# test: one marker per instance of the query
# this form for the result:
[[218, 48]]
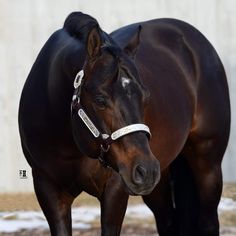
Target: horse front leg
[[113, 206], [161, 203], [55, 203]]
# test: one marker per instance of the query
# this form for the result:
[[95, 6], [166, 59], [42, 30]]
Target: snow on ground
[[227, 204], [82, 217]]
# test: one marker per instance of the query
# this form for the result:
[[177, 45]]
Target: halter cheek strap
[[105, 139]]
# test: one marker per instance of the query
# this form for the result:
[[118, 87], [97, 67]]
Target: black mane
[[78, 25]]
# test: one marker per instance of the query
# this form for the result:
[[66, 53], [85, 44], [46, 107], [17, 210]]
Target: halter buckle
[[105, 149]]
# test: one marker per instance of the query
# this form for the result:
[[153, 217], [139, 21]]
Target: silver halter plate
[[130, 129], [93, 129]]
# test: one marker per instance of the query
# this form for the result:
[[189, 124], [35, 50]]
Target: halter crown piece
[[105, 139]]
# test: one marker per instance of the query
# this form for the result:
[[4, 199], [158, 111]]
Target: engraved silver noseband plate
[[130, 129]]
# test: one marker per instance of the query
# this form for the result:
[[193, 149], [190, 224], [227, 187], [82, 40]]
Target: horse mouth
[[135, 190]]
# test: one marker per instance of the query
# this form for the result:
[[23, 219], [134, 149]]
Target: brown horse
[[88, 104]]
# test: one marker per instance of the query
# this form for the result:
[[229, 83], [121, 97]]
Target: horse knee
[[168, 230], [211, 230]]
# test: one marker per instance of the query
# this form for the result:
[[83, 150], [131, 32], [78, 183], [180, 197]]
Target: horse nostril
[[140, 174]]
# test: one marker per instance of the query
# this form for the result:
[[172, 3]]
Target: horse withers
[[143, 111]]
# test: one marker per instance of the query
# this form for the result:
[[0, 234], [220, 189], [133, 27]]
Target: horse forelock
[[117, 66], [78, 24]]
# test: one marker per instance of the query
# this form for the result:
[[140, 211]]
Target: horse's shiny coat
[[177, 86]]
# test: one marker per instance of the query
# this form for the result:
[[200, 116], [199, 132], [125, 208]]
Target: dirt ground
[[15, 202], [126, 231], [28, 201]]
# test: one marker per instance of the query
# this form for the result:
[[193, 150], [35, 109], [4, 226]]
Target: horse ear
[[94, 43], [132, 46]]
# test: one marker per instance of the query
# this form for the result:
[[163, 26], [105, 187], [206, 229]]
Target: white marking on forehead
[[125, 81]]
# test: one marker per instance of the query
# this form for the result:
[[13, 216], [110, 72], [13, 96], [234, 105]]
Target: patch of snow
[[15, 221], [80, 225], [139, 211], [227, 204], [85, 214]]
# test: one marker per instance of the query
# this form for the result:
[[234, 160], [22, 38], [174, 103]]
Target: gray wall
[[25, 25]]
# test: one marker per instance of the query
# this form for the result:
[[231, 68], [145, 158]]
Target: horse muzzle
[[143, 178]]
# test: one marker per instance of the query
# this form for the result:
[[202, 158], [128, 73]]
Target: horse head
[[108, 112]]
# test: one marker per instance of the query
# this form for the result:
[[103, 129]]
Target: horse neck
[[62, 73]]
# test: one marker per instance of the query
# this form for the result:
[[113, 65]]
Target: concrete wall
[[25, 25]]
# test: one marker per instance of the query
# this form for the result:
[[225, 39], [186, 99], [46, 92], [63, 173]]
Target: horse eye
[[101, 101]]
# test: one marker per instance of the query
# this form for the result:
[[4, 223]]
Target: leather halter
[[105, 139]]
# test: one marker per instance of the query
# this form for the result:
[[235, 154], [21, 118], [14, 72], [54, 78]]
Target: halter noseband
[[105, 139]]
